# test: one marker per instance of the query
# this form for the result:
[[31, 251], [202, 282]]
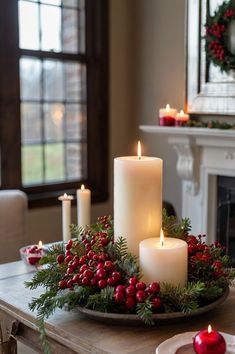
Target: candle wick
[[162, 243], [139, 157]]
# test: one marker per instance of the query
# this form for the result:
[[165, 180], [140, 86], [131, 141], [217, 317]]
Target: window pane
[[32, 164], [53, 117], [75, 82], [28, 25], [52, 2], [31, 123], [30, 78], [73, 159], [70, 30], [75, 121], [51, 28], [53, 80], [73, 3], [54, 156]]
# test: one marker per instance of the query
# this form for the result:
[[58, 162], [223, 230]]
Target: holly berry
[[102, 283], [109, 265], [140, 285], [117, 276], [88, 273], [153, 288], [120, 288], [130, 303], [140, 296], [119, 297], [60, 258], [101, 273], [69, 283], [156, 302], [130, 290], [68, 259], [133, 281], [62, 284]]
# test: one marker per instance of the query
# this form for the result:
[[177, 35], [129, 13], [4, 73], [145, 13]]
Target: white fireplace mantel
[[202, 154]]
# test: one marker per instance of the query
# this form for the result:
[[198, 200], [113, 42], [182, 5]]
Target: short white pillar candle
[[164, 260]]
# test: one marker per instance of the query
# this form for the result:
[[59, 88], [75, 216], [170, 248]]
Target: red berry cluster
[[230, 13], [216, 30], [202, 258], [136, 292], [217, 50], [91, 269]]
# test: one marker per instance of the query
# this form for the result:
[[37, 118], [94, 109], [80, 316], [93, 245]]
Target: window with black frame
[[53, 92]]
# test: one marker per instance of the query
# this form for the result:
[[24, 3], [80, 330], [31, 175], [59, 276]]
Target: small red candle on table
[[167, 116], [209, 341]]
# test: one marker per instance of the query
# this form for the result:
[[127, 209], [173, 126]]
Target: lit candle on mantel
[[83, 206], [137, 198], [66, 215], [209, 341], [167, 116], [164, 259], [181, 118]]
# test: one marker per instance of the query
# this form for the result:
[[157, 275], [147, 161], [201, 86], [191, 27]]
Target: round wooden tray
[[124, 319]]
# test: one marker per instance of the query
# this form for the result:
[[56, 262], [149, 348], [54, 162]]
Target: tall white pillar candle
[[164, 261], [66, 215], [83, 206], [137, 199]]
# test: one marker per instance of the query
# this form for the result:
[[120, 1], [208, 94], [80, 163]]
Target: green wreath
[[216, 37]]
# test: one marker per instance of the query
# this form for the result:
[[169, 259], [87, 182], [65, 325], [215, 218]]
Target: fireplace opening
[[225, 230]]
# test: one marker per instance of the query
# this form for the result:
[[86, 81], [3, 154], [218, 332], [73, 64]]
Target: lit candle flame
[[161, 238], [139, 150], [40, 244], [65, 195], [181, 112], [82, 187], [168, 107], [209, 330]]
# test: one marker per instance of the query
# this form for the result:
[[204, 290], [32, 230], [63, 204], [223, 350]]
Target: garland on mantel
[[213, 124], [217, 28]]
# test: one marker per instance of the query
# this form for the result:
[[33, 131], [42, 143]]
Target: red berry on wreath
[[109, 265], [88, 273], [76, 278], [69, 283], [68, 259], [111, 281], [94, 281], [83, 268], [83, 260]]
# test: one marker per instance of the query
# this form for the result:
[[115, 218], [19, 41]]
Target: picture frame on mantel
[[208, 90]]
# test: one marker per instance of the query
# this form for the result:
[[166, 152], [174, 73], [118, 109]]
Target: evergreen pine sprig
[[174, 228], [102, 301], [145, 313]]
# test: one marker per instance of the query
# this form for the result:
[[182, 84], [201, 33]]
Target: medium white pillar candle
[[83, 206], [164, 261], [167, 112], [66, 215], [137, 199]]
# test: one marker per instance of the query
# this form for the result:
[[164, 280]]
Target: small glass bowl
[[31, 254]]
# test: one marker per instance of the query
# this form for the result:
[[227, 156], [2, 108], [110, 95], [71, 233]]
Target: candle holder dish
[[158, 318], [183, 343], [32, 254]]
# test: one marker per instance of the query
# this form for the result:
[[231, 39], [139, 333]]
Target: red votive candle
[[34, 253], [209, 341], [167, 116]]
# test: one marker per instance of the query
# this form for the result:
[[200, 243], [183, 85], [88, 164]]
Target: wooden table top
[[86, 336]]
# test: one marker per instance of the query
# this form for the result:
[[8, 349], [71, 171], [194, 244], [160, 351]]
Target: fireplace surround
[[202, 155]]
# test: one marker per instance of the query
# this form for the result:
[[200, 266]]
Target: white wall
[[146, 72]]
